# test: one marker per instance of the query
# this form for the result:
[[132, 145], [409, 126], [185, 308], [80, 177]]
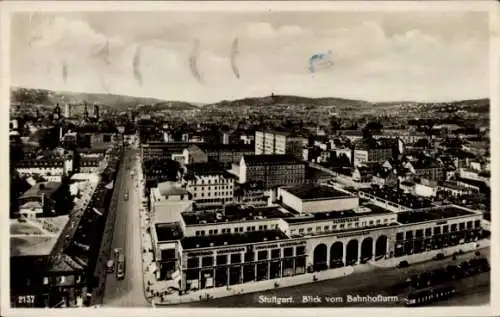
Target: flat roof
[[168, 231], [235, 213], [167, 211], [47, 188], [28, 239], [306, 192], [373, 210], [445, 212], [232, 239]]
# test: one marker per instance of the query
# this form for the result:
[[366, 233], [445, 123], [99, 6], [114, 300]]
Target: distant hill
[[277, 100], [475, 105], [119, 102]]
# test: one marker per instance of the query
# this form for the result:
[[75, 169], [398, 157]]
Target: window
[[334, 227], [437, 230], [235, 258], [207, 261], [210, 232], [287, 252], [301, 230], [342, 226], [419, 233], [202, 232], [326, 228], [428, 232], [378, 221], [222, 259], [216, 231], [454, 227], [318, 229], [197, 233], [371, 222], [469, 224], [446, 229], [477, 223], [249, 256], [275, 253], [386, 220], [399, 236], [356, 224], [409, 235], [262, 255], [461, 226], [193, 262]]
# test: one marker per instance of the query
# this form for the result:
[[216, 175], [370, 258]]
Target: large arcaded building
[[312, 228]]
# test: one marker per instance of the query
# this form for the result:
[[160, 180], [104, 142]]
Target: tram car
[[429, 296]]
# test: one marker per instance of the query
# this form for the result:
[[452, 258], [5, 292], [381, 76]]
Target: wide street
[[128, 292], [364, 282]]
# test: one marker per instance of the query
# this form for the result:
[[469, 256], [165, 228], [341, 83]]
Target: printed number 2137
[[26, 299]]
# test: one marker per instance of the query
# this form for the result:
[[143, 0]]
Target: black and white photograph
[[249, 155]]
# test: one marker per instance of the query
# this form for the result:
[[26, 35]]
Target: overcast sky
[[376, 56]]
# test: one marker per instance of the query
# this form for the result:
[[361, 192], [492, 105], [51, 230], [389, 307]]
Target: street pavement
[[128, 292], [365, 281]]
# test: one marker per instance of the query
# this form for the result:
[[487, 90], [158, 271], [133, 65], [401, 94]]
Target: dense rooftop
[[226, 147], [269, 159], [208, 168]]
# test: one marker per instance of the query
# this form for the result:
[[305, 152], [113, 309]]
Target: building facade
[[209, 184], [272, 142], [272, 170]]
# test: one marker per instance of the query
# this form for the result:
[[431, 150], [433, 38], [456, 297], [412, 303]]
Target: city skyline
[[377, 56]]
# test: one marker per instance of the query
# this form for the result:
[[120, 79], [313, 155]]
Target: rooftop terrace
[[416, 216], [235, 213], [232, 239]]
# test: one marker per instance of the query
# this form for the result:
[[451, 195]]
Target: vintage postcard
[[183, 157]]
